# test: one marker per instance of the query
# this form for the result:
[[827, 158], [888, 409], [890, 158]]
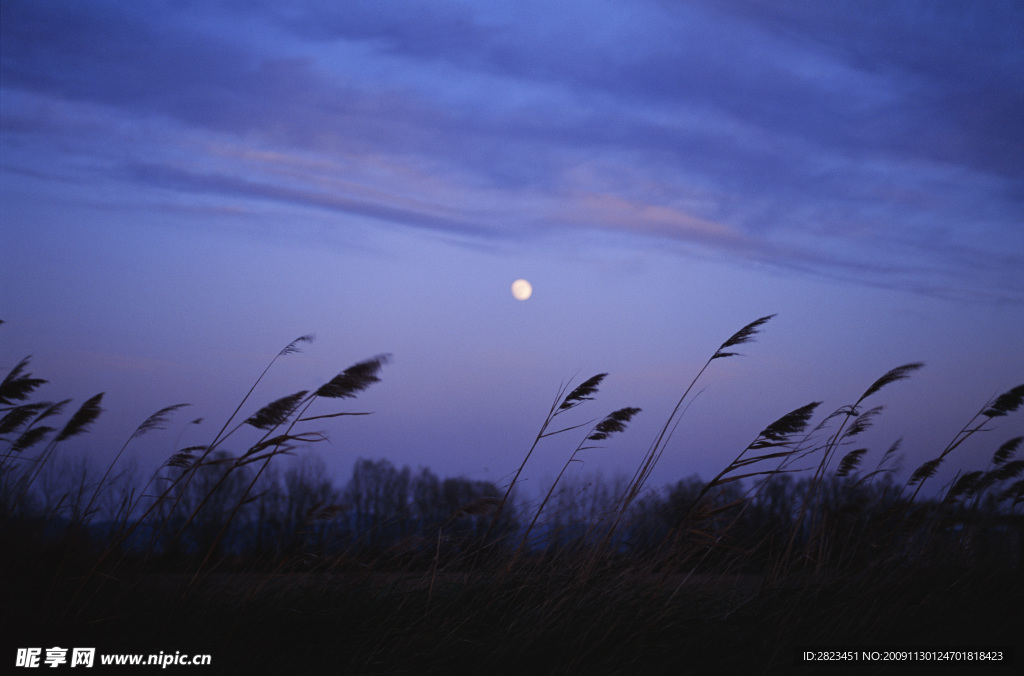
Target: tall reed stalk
[[613, 423], [861, 420], [583, 392], [657, 448]]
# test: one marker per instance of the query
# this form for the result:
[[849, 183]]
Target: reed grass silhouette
[[791, 543]]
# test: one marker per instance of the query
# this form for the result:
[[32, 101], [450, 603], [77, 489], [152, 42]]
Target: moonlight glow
[[521, 289]]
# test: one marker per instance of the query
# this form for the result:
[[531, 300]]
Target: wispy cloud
[[868, 141]]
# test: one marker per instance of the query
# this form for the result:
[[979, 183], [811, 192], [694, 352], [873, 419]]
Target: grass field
[[793, 545]]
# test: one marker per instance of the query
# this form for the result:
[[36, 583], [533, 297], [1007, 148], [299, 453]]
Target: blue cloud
[[867, 141]]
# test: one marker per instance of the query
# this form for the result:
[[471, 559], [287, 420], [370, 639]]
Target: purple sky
[[186, 187]]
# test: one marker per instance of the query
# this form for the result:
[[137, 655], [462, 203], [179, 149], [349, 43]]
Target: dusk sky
[[186, 187]]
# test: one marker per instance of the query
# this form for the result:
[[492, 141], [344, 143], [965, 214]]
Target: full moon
[[521, 289]]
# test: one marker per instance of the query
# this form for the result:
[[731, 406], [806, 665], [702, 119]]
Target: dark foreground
[[539, 619]]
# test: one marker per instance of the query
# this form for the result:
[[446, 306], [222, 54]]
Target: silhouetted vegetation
[[269, 565]]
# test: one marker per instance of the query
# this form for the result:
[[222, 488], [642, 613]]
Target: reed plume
[[850, 462], [83, 417], [18, 385], [276, 412]]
